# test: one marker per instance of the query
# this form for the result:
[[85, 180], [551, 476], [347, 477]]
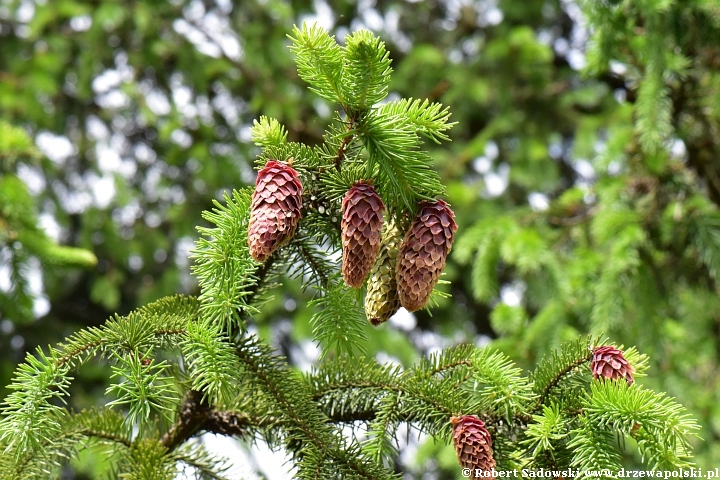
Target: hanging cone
[[381, 299], [609, 362], [473, 445], [361, 227], [275, 209], [423, 253]]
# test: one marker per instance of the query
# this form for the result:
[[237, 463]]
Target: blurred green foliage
[[583, 169]]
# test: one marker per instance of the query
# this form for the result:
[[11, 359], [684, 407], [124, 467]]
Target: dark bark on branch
[[197, 416]]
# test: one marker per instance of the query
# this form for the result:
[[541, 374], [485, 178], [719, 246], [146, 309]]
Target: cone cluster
[[275, 209], [473, 444], [423, 253], [361, 229], [381, 299], [609, 362], [400, 276]]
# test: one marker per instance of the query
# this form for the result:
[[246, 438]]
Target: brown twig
[[344, 144], [556, 379], [197, 416]]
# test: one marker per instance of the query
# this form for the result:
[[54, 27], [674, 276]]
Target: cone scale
[[423, 253], [361, 228], [275, 209]]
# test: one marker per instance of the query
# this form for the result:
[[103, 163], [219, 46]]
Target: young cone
[[473, 445], [381, 299], [609, 362], [275, 209], [361, 227], [423, 253]]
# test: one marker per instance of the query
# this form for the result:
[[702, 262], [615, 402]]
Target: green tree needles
[[21, 237], [183, 366]]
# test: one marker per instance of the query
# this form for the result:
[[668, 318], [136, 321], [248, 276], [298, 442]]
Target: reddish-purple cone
[[423, 253], [609, 362], [275, 209], [473, 445], [361, 228]]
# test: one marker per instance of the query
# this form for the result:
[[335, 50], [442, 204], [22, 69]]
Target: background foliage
[[582, 171]]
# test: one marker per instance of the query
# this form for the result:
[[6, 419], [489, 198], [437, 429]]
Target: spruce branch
[[339, 324], [318, 268], [335, 184], [197, 415], [268, 132], [32, 419], [319, 60], [148, 459], [430, 120], [451, 366], [74, 430], [105, 435], [569, 368], [654, 107], [226, 273], [344, 143], [560, 366], [403, 172], [366, 72], [545, 429], [141, 387], [661, 425], [305, 422], [205, 464], [381, 446], [595, 449], [424, 396], [210, 361], [500, 386]]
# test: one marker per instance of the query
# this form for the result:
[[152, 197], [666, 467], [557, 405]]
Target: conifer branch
[[262, 274], [196, 415], [345, 387], [91, 346], [558, 377], [79, 351], [317, 269], [225, 364], [74, 429], [106, 435], [346, 140], [295, 403], [552, 465], [450, 366], [375, 390]]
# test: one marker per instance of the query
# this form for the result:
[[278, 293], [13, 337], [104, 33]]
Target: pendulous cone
[[381, 298], [423, 253], [361, 229], [609, 362], [275, 209], [473, 445]]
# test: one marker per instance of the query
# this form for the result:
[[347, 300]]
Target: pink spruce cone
[[423, 253], [275, 209], [361, 228], [473, 445], [609, 362]]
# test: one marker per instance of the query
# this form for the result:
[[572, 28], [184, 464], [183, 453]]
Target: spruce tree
[[182, 366], [21, 236]]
